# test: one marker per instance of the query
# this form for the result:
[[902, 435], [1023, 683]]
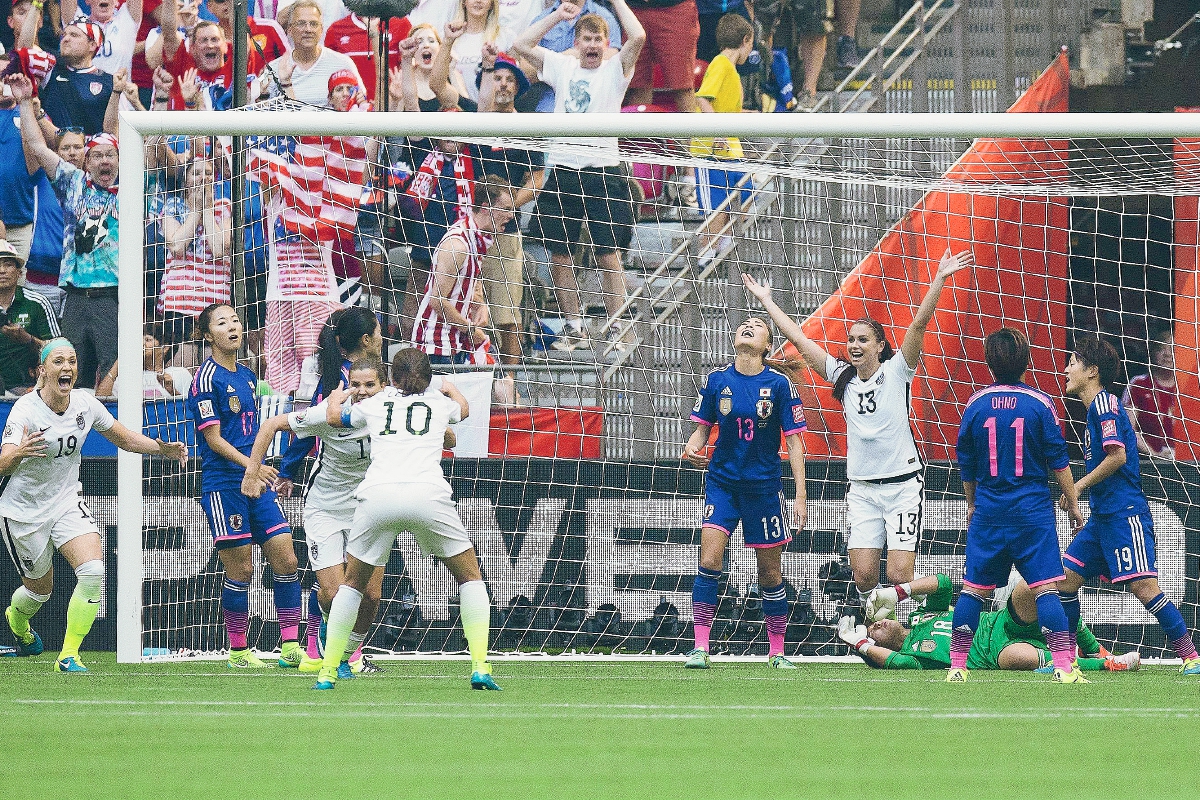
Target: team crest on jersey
[[313, 551], [725, 405], [80, 422], [928, 646], [235, 405], [879, 380], [764, 408], [708, 511], [96, 87], [764, 391], [235, 522]]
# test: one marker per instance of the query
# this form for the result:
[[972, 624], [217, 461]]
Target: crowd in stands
[[394, 217]]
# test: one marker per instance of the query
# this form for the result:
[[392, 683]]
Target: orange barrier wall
[[1187, 300], [1020, 279]]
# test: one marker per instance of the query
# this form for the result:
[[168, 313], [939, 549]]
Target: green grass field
[[591, 730]]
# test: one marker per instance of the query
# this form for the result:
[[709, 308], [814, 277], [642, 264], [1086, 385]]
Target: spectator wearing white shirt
[[477, 23], [307, 68], [585, 188], [120, 26]]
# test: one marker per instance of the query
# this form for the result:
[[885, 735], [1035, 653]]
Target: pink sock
[[776, 628], [236, 625], [310, 646], [1062, 654], [357, 655], [960, 647], [702, 634]]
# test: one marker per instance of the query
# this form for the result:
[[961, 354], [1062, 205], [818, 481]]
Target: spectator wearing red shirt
[[1152, 400], [203, 58], [356, 37], [672, 30]]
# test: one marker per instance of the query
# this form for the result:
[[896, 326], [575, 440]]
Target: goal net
[[570, 483]]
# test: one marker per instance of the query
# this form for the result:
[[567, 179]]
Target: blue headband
[[53, 345]]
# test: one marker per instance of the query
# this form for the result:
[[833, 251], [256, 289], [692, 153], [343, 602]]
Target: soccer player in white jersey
[[405, 490], [884, 466], [41, 503]]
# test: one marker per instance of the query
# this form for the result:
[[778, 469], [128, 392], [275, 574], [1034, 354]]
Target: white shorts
[[29, 543], [885, 512], [326, 533], [385, 511]]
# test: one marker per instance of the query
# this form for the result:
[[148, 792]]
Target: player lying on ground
[[41, 503], [1118, 540], [405, 490], [1007, 639], [887, 484], [1009, 442], [223, 405], [752, 404]]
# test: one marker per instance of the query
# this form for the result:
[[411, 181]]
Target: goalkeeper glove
[[853, 635], [881, 603]]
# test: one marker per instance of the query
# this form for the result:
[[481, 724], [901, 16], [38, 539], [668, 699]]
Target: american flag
[[320, 180]]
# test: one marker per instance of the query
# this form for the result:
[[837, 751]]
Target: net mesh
[[586, 524]]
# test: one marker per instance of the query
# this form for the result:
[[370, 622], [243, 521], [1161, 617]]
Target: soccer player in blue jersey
[[1009, 442], [752, 404], [222, 405], [1118, 540]]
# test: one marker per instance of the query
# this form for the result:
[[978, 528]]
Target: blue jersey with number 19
[[1008, 443], [751, 410], [223, 397]]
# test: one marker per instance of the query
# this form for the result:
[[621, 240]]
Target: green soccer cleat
[[1063, 676], [483, 681], [365, 666], [326, 680], [244, 659], [69, 664], [28, 645], [779, 662], [310, 665], [697, 659], [957, 675], [291, 655], [1191, 666]]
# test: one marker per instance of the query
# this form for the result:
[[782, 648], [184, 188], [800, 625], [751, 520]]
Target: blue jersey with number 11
[[1008, 443], [223, 397], [752, 411]]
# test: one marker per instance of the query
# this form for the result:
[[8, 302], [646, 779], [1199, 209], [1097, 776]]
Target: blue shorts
[[763, 514], [993, 548], [1117, 546], [713, 185], [236, 520]]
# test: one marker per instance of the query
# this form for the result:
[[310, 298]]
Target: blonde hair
[[491, 28]]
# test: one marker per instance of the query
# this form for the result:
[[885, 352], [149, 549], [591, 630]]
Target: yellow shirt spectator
[[722, 87]]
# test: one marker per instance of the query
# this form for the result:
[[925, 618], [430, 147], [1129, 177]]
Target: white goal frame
[[136, 125]]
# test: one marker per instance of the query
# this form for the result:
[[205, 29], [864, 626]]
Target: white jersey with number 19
[[39, 486], [406, 435]]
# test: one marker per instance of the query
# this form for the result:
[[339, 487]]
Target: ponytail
[[845, 376], [342, 338]]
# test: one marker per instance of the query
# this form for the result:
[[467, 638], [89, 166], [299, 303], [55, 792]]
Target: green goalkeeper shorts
[[997, 630]]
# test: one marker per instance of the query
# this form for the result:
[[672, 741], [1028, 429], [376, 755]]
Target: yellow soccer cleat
[[1191, 666], [1063, 676], [244, 659], [310, 665], [291, 655], [957, 675]]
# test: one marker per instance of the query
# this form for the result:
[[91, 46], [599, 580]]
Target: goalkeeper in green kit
[[1007, 639]]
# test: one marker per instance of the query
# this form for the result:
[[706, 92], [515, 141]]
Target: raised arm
[[439, 73], [526, 45], [27, 36], [167, 45], [31, 135], [914, 338], [635, 36], [451, 391], [812, 353], [487, 86]]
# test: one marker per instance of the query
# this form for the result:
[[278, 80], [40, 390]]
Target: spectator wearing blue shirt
[[1009, 443], [561, 38], [1118, 540], [89, 268], [18, 186]]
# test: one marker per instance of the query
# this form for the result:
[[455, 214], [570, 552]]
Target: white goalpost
[[586, 524]]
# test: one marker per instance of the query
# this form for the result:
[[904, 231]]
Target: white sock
[[475, 610], [27, 602], [343, 612], [353, 643]]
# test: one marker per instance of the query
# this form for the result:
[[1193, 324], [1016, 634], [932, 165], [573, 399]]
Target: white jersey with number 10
[[406, 435]]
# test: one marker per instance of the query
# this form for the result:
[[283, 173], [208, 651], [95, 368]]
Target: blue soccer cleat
[[483, 681], [1191, 666], [28, 645], [326, 680], [1046, 670], [697, 659], [321, 639], [69, 664], [345, 672]]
